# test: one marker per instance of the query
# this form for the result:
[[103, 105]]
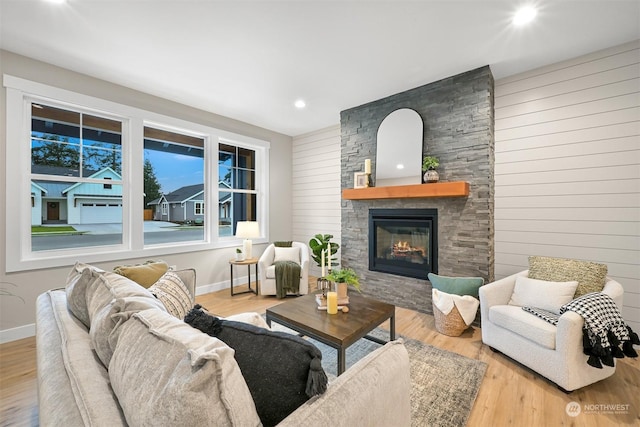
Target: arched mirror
[[399, 152]]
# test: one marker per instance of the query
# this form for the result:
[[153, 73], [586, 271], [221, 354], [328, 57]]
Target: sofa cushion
[[591, 276], [66, 362], [282, 370], [173, 293], [105, 327], [287, 254], [456, 285], [520, 322], [80, 278], [108, 287], [164, 372], [143, 274], [549, 296]]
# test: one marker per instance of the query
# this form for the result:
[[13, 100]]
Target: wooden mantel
[[438, 189]]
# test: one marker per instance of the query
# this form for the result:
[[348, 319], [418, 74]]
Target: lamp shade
[[247, 229]]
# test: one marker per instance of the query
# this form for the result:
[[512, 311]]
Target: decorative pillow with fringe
[[281, 370], [173, 294]]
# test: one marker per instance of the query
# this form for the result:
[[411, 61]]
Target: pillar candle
[[332, 302], [322, 263], [328, 257], [367, 166]]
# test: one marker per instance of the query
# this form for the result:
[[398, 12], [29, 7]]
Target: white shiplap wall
[[316, 186], [567, 166]]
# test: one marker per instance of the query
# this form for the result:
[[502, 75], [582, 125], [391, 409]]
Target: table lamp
[[247, 230]]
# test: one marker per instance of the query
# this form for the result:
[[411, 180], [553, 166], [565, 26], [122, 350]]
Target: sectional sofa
[[109, 353]]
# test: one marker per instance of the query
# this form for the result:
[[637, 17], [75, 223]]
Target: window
[[96, 165], [71, 152], [237, 187], [173, 172]]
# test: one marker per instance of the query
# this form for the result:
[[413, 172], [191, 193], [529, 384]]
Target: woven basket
[[450, 324]]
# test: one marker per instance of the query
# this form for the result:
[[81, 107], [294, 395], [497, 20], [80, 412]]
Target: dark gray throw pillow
[[281, 370]]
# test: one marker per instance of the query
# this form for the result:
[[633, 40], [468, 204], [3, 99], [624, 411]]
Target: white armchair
[[555, 352], [267, 270]]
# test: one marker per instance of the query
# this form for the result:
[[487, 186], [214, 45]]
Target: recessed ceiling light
[[57, 1], [300, 103], [524, 15]]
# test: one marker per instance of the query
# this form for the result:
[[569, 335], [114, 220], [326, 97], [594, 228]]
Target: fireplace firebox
[[403, 241]]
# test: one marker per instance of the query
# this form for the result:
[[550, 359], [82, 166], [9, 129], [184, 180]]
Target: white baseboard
[[14, 334], [213, 287]]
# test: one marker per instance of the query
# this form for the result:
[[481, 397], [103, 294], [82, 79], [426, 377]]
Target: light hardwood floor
[[510, 394]]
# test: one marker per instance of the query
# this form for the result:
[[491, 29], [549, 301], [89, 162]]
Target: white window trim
[[198, 206], [19, 257]]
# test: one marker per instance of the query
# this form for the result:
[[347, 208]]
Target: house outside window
[[90, 160]]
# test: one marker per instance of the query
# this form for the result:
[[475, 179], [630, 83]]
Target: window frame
[[198, 208], [20, 93]]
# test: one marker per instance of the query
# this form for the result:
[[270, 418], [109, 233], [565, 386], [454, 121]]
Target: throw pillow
[[283, 244], [81, 277], [173, 293], [143, 274], [549, 296], [456, 285], [281, 370], [105, 327], [166, 373], [287, 254], [591, 276]]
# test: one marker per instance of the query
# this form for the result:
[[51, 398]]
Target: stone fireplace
[[403, 241], [458, 118]]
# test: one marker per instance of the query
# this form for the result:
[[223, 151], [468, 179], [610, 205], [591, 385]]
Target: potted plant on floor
[[342, 278], [429, 165]]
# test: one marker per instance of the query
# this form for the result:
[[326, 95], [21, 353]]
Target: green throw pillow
[[456, 285]]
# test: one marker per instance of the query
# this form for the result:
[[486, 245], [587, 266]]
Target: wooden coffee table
[[335, 330]]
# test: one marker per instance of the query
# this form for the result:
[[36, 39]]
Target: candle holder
[[370, 180], [324, 285]]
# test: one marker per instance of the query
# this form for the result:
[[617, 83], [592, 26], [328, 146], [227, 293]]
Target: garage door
[[101, 212]]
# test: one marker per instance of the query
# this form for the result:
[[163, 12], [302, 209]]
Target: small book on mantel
[[322, 302]]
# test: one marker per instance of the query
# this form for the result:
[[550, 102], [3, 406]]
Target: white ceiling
[[250, 60]]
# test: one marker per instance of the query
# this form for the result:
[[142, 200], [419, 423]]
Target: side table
[[248, 262]]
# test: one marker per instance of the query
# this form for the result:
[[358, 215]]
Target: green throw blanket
[[287, 278]]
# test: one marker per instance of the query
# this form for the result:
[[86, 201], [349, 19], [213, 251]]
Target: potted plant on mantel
[[342, 278], [429, 165]]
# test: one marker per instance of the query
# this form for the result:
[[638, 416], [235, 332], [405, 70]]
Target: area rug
[[444, 385]]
